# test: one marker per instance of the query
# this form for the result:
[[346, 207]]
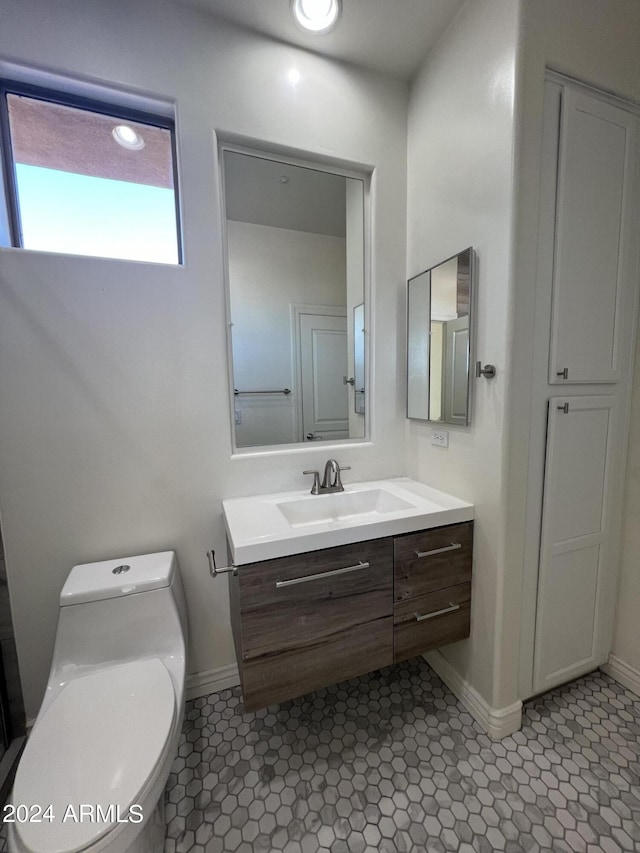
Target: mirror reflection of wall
[[358, 356], [295, 245], [418, 350], [438, 354]]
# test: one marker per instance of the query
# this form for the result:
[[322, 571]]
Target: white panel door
[[593, 233], [574, 546], [325, 399]]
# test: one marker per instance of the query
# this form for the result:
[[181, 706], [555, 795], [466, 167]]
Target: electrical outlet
[[440, 437], [238, 414]]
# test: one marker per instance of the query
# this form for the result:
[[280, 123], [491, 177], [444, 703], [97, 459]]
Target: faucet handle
[[340, 468], [315, 489]]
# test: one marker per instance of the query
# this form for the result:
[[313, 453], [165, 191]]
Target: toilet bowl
[[93, 771]]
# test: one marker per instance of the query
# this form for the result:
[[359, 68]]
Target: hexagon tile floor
[[392, 762]]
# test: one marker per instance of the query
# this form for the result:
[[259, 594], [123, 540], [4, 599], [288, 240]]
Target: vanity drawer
[[299, 602], [431, 560], [431, 620], [295, 671]]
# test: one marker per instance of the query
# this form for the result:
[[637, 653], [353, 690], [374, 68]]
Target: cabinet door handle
[[293, 581], [435, 613], [453, 547]]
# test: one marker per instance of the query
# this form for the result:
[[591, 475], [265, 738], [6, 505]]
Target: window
[[88, 178]]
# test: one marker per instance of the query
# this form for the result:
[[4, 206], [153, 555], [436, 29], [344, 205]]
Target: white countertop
[[264, 527]]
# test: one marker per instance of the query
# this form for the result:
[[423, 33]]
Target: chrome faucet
[[331, 481]]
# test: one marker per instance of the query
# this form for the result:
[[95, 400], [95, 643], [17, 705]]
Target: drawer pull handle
[[435, 613], [293, 581], [453, 547]]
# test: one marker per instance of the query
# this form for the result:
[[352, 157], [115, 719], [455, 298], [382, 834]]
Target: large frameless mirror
[[439, 329], [296, 274]]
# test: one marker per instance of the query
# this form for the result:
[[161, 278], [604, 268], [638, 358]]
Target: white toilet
[[93, 772]]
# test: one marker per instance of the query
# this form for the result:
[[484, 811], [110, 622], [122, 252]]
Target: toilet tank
[[119, 610], [115, 578]]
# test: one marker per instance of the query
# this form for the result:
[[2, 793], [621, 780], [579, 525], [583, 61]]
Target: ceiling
[[80, 141], [306, 200], [388, 36]]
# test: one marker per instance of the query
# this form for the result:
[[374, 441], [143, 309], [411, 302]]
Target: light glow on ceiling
[[127, 137], [316, 16]]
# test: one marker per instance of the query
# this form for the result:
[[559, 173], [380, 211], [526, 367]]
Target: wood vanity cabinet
[[306, 621]]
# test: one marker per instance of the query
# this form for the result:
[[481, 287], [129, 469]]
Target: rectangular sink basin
[[265, 527], [343, 506]]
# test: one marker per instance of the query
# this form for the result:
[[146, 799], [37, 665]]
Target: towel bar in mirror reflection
[[284, 391]]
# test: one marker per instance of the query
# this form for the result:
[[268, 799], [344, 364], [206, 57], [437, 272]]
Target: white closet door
[[593, 238], [575, 539]]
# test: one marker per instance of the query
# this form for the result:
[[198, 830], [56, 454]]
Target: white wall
[[460, 150], [436, 353], [115, 417], [271, 269], [597, 42]]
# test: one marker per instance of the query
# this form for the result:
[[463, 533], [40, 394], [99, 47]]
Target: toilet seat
[[116, 720]]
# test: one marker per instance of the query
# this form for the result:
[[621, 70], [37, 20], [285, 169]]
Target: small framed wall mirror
[[439, 340], [296, 246]]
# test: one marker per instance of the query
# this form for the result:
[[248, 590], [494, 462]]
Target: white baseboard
[[623, 672], [497, 722], [212, 680]]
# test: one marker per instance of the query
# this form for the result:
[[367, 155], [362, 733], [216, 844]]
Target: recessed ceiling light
[[316, 16], [127, 137]]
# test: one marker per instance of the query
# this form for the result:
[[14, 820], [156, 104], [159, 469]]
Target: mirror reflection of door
[[323, 391], [295, 237]]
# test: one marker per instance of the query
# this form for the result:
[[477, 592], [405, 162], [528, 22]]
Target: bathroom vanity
[[302, 621]]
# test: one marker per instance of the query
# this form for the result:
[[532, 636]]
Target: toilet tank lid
[[115, 578]]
